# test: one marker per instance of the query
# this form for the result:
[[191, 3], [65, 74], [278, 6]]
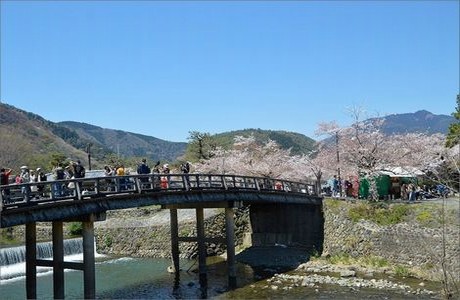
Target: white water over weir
[[15, 255]]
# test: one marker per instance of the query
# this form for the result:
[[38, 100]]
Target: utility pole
[[338, 162], [88, 150]]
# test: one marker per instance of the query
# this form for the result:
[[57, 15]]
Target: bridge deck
[[64, 199]]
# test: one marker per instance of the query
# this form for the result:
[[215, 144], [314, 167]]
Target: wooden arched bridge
[[87, 199]]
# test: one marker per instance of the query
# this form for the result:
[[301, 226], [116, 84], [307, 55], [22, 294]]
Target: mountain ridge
[[421, 121], [31, 133]]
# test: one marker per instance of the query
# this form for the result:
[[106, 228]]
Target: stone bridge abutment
[[299, 225]]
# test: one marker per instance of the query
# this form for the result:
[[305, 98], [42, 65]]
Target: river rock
[[347, 273]]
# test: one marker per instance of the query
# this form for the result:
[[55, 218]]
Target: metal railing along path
[[30, 194]]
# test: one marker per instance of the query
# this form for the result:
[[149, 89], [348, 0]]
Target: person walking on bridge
[[79, 171], [120, 171], [164, 181], [185, 168], [25, 178], [143, 168], [41, 177], [58, 174], [5, 180]]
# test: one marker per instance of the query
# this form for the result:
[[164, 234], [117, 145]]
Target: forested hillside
[[28, 139], [126, 143], [298, 143]]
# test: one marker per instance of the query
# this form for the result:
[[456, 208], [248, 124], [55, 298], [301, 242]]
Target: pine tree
[[453, 138]]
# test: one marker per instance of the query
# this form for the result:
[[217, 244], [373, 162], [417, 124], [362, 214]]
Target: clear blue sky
[[166, 68]]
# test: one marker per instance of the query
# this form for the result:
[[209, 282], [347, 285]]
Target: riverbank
[[419, 237], [411, 249], [405, 248]]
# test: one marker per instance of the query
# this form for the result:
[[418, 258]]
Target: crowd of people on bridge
[[75, 170], [27, 175]]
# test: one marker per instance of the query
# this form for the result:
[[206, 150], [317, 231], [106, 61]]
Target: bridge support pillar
[[230, 235], [31, 260], [201, 248], [58, 260], [174, 241], [89, 264]]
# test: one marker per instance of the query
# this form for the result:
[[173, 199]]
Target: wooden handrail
[[25, 194]]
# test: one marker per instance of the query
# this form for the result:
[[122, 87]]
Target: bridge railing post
[[78, 189], [97, 186], [138, 184], [197, 181], [224, 182], [26, 192], [185, 181]]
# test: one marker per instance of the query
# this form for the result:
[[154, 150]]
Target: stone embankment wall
[[148, 235], [407, 243]]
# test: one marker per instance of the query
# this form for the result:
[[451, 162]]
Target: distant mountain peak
[[420, 121], [422, 112]]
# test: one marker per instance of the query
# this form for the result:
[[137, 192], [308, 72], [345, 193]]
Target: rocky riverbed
[[315, 273], [289, 270]]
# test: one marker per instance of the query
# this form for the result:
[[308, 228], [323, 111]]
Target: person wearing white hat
[[25, 178], [164, 179]]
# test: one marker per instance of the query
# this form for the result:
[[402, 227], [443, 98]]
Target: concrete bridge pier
[[89, 262], [58, 260], [201, 239], [201, 248], [174, 242], [31, 260], [57, 263], [230, 237]]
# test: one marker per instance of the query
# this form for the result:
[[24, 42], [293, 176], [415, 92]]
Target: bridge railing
[[27, 194]]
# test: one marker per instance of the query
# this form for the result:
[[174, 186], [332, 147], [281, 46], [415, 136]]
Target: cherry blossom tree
[[248, 157], [365, 150], [317, 164]]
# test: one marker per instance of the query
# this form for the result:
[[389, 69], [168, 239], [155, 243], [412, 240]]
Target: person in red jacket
[[5, 180]]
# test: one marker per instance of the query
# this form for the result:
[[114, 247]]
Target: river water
[[125, 278], [143, 278], [147, 278]]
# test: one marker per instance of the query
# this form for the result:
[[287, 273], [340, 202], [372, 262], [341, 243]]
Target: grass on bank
[[386, 213]]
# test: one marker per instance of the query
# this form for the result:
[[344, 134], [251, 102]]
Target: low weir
[[16, 255]]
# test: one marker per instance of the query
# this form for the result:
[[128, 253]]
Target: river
[[147, 278], [141, 278]]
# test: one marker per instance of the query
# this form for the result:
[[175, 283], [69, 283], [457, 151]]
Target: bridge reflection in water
[[87, 200]]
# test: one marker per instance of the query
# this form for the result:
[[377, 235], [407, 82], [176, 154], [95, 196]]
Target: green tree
[[201, 146], [113, 160], [58, 158], [453, 137]]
